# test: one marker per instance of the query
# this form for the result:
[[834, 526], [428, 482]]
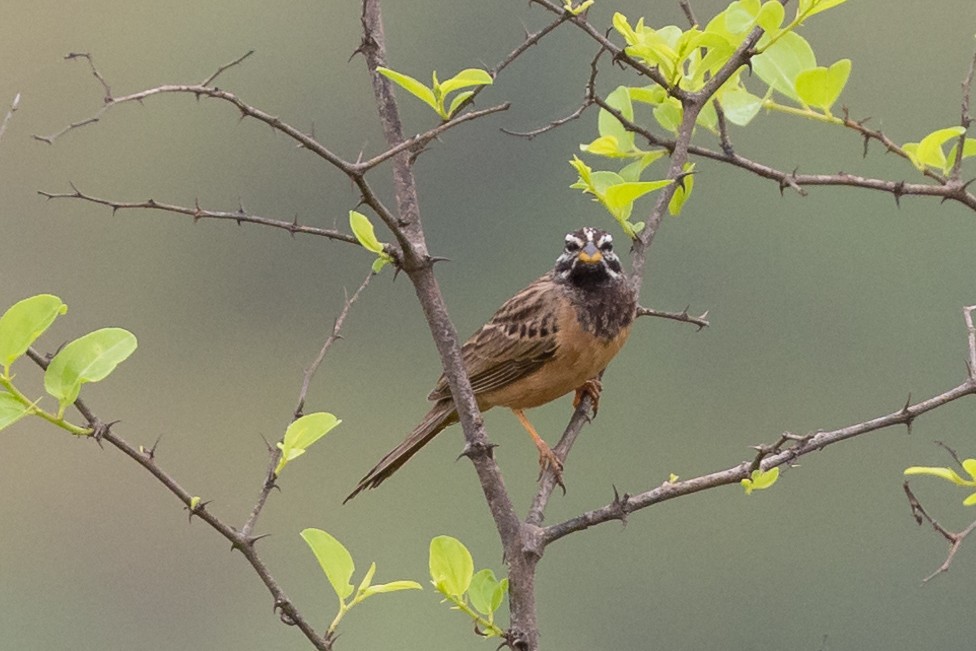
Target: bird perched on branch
[[553, 337]]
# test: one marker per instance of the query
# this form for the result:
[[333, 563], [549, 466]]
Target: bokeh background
[[826, 310]]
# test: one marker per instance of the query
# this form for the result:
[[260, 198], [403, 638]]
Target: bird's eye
[[572, 246], [606, 247]]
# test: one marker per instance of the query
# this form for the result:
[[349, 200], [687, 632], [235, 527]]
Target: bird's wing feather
[[519, 339]]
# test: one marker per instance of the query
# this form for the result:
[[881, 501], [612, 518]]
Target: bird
[[554, 337]]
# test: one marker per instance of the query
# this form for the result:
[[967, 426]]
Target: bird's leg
[[547, 458], [591, 388]]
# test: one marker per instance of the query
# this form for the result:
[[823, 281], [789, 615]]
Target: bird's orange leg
[[591, 388], [547, 458]]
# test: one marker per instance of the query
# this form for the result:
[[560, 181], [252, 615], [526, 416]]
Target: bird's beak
[[590, 254]]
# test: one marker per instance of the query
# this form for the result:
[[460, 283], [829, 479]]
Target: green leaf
[[781, 62], [969, 501], [633, 171], [11, 410], [760, 480], [334, 559], [740, 105], [379, 263], [741, 16], [807, 8], [451, 566], [969, 465], [482, 591], [604, 146], [943, 473], [770, 17], [412, 86], [968, 151], [620, 198], [362, 228], [302, 433], [929, 150], [87, 359], [500, 591], [392, 586], [23, 323], [668, 114], [459, 99], [608, 125], [820, 87], [466, 78]]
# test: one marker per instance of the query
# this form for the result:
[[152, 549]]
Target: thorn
[[619, 503], [194, 510], [470, 451], [433, 259], [254, 539], [151, 453], [286, 619], [898, 191]]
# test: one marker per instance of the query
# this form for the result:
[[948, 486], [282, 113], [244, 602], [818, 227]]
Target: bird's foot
[[591, 388], [549, 461]]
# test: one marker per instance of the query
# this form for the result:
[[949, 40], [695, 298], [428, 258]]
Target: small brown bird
[[555, 336]]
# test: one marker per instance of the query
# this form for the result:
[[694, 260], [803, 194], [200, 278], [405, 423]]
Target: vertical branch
[[418, 265]]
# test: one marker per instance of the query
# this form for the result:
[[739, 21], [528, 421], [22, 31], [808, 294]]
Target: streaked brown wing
[[519, 339]]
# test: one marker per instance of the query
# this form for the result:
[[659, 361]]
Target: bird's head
[[588, 258]]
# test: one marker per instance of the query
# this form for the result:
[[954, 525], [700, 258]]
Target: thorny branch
[[241, 216], [241, 539], [955, 539]]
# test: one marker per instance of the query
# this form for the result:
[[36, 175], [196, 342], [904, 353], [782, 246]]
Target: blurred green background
[[826, 310]]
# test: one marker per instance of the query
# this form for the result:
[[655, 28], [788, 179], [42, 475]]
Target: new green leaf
[[820, 87], [760, 479], [23, 323], [87, 359], [451, 566], [11, 410], [334, 559], [781, 63], [302, 433], [929, 152], [365, 234], [411, 85]]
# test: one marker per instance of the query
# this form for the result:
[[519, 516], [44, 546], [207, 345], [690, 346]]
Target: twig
[[336, 328], [198, 213], [971, 336], [701, 320], [238, 540], [589, 99], [955, 539], [803, 446], [14, 105], [220, 69], [965, 119]]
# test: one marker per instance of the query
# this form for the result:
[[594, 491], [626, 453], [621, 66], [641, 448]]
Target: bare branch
[[209, 80], [955, 539], [965, 119], [971, 334], [14, 105], [198, 213], [802, 446], [332, 338], [416, 144], [238, 540], [683, 316]]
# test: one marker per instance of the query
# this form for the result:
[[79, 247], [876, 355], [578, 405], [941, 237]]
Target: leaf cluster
[[90, 358]]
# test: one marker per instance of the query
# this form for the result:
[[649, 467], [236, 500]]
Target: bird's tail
[[440, 416]]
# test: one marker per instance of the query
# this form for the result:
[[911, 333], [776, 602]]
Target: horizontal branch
[[197, 213], [701, 320], [621, 506]]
